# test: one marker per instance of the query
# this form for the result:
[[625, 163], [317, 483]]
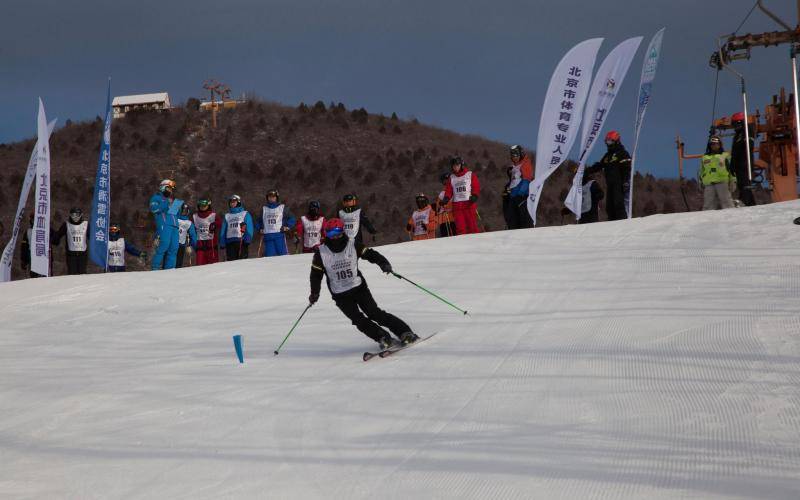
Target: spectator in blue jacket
[[187, 235], [165, 209], [520, 174], [274, 223], [237, 230]]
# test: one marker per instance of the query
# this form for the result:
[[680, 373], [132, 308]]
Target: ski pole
[[293, 327], [428, 291]]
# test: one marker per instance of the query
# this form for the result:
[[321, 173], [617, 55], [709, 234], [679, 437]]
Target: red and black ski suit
[[207, 224], [464, 189]]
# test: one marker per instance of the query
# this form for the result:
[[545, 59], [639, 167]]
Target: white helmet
[[166, 185]]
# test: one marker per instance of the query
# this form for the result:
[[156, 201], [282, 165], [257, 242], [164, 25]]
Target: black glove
[[473, 198], [386, 267], [313, 298], [424, 226], [445, 200], [409, 227]]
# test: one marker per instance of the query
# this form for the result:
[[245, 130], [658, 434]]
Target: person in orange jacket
[[422, 223], [444, 211], [520, 176], [464, 190]]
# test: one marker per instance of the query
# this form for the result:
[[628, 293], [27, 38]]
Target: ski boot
[[408, 338], [386, 342]]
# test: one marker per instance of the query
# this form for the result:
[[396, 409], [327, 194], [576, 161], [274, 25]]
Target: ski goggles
[[334, 232]]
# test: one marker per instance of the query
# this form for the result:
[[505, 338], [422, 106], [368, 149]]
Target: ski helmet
[[334, 228], [612, 137], [185, 209], [422, 200], [114, 228], [714, 140], [516, 150], [350, 197], [456, 160], [737, 117], [235, 198], [167, 186], [273, 192], [203, 204], [75, 214], [313, 207]]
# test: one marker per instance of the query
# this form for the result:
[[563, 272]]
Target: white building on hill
[[124, 103]]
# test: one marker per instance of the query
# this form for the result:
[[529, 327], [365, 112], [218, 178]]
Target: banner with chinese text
[[40, 236], [101, 201], [561, 114], [30, 175], [645, 90], [605, 87]]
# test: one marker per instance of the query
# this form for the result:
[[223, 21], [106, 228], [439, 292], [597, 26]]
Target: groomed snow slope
[[657, 358]]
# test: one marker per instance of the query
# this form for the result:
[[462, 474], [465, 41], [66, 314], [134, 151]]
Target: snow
[[653, 358]]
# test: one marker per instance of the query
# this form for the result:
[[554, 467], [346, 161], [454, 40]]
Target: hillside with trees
[[306, 152]]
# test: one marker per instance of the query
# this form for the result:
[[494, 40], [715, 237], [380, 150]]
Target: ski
[[394, 349]]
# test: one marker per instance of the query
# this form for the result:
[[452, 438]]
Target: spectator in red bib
[[463, 190]]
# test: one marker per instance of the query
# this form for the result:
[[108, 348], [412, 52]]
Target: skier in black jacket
[[337, 258], [739, 160], [616, 165], [76, 231]]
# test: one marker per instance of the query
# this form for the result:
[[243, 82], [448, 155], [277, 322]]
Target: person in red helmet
[[739, 160], [464, 190], [337, 259], [616, 165]]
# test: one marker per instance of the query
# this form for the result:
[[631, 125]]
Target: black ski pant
[[516, 215], [76, 262], [358, 305], [179, 257], [447, 229], [745, 189], [236, 251]]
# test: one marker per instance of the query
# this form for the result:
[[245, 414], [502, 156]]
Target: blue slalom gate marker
[[237, 344]]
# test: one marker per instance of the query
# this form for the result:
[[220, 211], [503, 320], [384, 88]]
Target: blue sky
[[471, 66]]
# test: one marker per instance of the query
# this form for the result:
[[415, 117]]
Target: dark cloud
[[476, 67]]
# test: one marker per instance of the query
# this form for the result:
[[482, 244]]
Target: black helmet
[[456, 160], [350, 197], [275, 193], [75, 214], [516, 150], [422, 200], [313, 207], [114, 228]]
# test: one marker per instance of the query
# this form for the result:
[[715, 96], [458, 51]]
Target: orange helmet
[[613, 135]]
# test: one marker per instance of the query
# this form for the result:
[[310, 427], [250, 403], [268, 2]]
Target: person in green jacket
[[715, 176]]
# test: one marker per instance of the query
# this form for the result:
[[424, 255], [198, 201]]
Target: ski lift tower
[[221, 90], [780, 145]]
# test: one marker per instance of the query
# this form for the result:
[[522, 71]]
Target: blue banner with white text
[[101, 201]]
